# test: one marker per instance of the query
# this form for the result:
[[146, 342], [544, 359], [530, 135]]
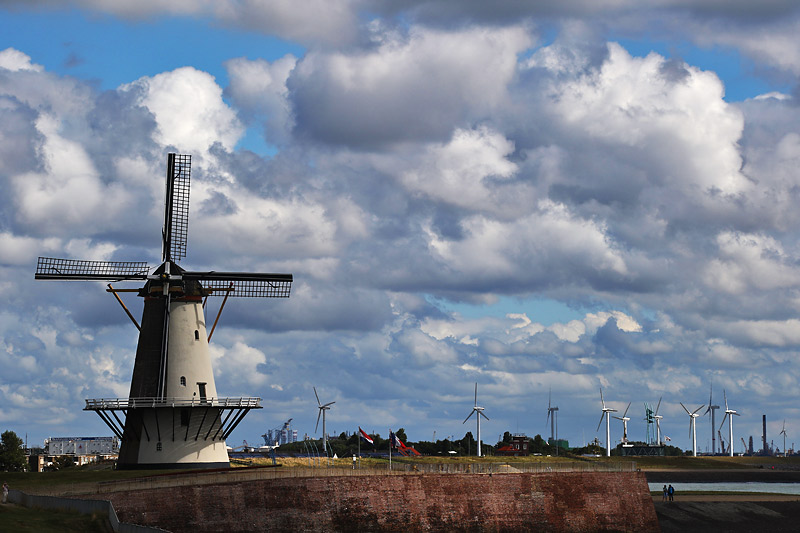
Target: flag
[[667, 438], [395, 442], [365, 437]]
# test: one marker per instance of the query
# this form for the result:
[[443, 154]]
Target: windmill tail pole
[[127, 312], [219, 313]]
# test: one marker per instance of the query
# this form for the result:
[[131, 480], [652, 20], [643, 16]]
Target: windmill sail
[[176, 207], [79, 270]]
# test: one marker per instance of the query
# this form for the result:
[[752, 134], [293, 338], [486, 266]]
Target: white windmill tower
[[729, 415], [625, 420], [783, 432], [658, 418], [478, 411], [711, 408], [692, 428], [173, 417], [322, 408], [552, 412], [606, 411]]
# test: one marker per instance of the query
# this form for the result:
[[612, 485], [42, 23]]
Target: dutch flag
[[365, 437]]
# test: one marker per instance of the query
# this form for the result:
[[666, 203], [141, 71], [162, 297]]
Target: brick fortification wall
[[404, 503]]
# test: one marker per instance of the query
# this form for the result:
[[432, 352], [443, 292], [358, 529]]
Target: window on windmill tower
[[183, 380], [196, 335], [158, 446]]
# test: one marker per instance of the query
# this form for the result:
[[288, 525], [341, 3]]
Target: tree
[[12, 456]]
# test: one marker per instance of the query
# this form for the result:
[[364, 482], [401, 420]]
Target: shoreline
[[728, 497]]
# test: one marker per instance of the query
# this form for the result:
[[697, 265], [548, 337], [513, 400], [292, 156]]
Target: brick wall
[[432, 502]]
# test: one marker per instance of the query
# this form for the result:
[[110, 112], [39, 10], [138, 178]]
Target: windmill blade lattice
[[79, 270], [176, 209]]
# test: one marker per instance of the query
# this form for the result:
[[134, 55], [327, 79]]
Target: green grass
[[22, 520]]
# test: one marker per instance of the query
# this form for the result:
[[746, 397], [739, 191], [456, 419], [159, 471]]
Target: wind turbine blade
[[601, 420], [470, 415], [548, 415], [736, 413], [601, 398], [317, 395], [327, 404], [483, 415], [684, 408], [695, 411], [549, 397], [710, 390], [626, 410], [659, 404], [476, 393], [617, 417], [318, 415], [725, 395], [723, 421]]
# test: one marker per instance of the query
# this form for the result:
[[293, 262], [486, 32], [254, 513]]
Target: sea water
[[774, 488]]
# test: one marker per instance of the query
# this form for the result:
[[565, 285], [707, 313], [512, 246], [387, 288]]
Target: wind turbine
[[625, 420], [783, 432], [729, 415], [479, 411], [692, 428], [711, 408], [606, 411], [322, 409], [552, 411], [658, 418]]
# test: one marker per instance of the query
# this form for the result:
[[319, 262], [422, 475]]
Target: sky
[[540, 198]]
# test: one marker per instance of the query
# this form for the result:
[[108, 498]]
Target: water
[[773, 488]]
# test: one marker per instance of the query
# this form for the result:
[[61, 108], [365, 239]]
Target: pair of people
[[669, 493]]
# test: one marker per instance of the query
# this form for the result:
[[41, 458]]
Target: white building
[[81, 446]]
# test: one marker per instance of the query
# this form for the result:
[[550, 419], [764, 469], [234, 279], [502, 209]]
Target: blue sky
[[531, 197]]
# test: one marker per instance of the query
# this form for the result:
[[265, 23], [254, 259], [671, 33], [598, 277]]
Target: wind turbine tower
[[552, 412], [479, 411], [625, 420], [607, 415], [322, 408], [658, 418], [711, 408], [692, 428], [729, 415], [783, 432]]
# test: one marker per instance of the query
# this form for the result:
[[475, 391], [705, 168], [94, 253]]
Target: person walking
[[5, 492], [664, 496], [671, 492]]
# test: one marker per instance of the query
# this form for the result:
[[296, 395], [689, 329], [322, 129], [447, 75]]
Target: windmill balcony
[[110, 404]]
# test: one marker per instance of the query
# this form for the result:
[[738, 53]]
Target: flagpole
[[390, 450], [359, 446]]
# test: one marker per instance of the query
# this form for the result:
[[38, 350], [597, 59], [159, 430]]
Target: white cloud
[[189, 110], [11, 59]]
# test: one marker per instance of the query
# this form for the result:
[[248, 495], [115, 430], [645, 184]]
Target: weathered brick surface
[[432, 502]]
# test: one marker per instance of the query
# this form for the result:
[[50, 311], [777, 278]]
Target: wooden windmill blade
[[244, 284], [50, 268], [176, 207]]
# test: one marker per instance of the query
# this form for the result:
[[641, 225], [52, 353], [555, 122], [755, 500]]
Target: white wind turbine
[[783, 432], [625, 420], [729, 415], [692, 427], [658, 418], [479, 411], [606, 411], [322, 409]]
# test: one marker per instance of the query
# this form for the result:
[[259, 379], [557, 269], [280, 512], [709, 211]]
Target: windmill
[[625, 419], [322, 408], [478, 411], [729, 415], [552, 412], [692, 428], [606, 411], [173, 417], [711, 408], [783, 432], [658, 418]]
